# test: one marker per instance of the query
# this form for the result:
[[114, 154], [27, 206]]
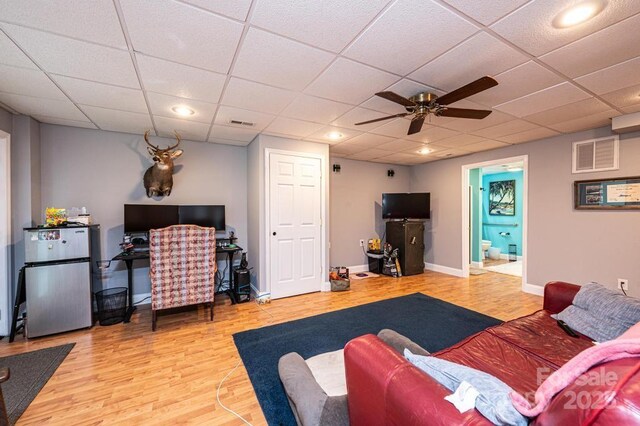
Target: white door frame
[[5, 234], [267, 213], [525, 212]]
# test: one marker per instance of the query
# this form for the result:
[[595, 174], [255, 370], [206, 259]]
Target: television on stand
[[406, 206]]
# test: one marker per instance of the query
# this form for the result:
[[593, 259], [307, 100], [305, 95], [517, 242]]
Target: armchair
[[182, 267]]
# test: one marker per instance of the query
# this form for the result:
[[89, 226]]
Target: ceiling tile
[[481, 55], [162, 104], [469, 126], [562, 94], [396, 128], [174, 79], [256, 96], [65, 56], [228, 142], [236, 9], [531, 27], [328, 24], [592, 121], [602, 49], [568, 112], [102, 95], [401, 145], [291, 127], [404, 87], [624, 97], [232, 133], [529, 135], [226, 114], [182, 33], [12, 55], [56, 108], [486, 11], [613, 78], [21, 81], [315, 109], [631, 109], [321, 135], [357, 115], [517, 82], [369, 140], [345, 148], [387, 43], [337, 155], [94, 20], [459, 141], [485, 145], [271, 59], [449, 153], [350, 82], [397, 158], [62, 122], [369, 154], [432, 134], [190, 130], [504, 129], [431, 147], [118, 121]]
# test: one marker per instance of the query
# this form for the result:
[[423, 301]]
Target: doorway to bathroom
[[495, 217]]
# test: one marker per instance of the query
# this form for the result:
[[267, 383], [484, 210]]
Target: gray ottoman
[[316, 387]]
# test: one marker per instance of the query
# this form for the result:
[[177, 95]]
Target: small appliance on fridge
[[58, 278]]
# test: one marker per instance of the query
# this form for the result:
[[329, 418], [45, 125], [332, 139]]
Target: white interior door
[[5, 224], [295, 228]]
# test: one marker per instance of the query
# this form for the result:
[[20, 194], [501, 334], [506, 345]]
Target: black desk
[[129, 257]]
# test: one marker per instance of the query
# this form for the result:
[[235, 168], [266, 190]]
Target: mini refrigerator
[[58, 278]]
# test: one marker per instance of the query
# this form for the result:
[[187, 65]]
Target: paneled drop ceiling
[[305, 68]]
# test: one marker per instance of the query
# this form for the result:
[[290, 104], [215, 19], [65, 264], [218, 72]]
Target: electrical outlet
[[361, 243], [623, 284]]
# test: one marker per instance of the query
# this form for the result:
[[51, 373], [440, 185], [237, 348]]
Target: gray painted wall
[[256, 195], [563, 244], [103, 171], [6, 120], [356, 211]]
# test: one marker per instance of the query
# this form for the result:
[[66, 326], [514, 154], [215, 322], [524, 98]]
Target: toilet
[[494, 253], [486, 244]]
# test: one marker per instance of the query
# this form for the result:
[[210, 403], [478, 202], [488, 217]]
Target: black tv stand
[[408, 237]]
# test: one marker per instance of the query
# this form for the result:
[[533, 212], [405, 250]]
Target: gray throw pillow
[[493, 402], [600, 313]]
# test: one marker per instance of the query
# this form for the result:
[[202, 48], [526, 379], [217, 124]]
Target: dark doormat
[[29, 372]]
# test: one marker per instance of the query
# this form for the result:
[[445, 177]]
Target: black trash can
[[376, 261], [112, 305]]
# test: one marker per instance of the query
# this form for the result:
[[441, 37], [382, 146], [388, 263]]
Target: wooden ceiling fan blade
[[416, 125], [477, 86], [477, 114], [383, 118], [394, 97]]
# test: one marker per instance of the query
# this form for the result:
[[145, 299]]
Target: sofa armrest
[[384, 388], [558, 295]]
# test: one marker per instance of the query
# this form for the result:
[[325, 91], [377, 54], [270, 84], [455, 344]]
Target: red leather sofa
[[385, 389]]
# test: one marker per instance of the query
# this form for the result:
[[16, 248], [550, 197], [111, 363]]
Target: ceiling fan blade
[[416, 124], [384, 118], [477, 86], [394, 97], [478, 114]]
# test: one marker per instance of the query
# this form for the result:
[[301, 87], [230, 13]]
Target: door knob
[[274, 232]]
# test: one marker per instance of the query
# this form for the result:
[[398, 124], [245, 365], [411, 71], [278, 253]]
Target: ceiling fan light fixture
[[182, 110], [578, 13], [334, 136]]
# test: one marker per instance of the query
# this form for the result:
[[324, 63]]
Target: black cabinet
[[408, 238]]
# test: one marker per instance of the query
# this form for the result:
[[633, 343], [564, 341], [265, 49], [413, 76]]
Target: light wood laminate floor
[[125, 374]]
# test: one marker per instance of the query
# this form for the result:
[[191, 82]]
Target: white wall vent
[[595, 155]]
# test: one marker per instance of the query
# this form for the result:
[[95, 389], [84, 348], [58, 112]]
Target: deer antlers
[[156, 147]]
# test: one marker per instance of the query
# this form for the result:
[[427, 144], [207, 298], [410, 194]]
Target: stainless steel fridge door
[[58, 298], [46, 245]]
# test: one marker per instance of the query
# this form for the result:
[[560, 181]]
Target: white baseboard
[[443, 269], [358, 268], [326, 286], [505, 256], [533, 289], [477, 264]]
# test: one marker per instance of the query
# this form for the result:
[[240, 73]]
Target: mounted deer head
[[158, 179]]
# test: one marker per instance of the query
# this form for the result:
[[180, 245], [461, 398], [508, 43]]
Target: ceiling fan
[[425, 103]]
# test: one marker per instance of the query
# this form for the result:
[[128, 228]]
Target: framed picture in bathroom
[[502, 198], [607, 194]]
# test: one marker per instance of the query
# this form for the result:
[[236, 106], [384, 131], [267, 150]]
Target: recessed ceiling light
[[334, 136], [424, 151], [183, 110], [514, 169], [578, 14]]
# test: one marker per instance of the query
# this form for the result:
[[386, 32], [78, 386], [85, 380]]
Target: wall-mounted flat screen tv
[[139, 218], [406, 206]]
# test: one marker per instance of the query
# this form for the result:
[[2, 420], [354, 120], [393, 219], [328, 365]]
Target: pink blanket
[[625, 346]]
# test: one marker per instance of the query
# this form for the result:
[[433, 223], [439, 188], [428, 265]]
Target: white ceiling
[[304, 68]]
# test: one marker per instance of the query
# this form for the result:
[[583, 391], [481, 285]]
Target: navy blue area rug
[[432, 323]]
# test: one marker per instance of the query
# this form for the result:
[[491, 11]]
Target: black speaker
[[242, 285]]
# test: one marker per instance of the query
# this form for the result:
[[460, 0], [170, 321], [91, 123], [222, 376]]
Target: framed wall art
[[607, 194], [502, 198]]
